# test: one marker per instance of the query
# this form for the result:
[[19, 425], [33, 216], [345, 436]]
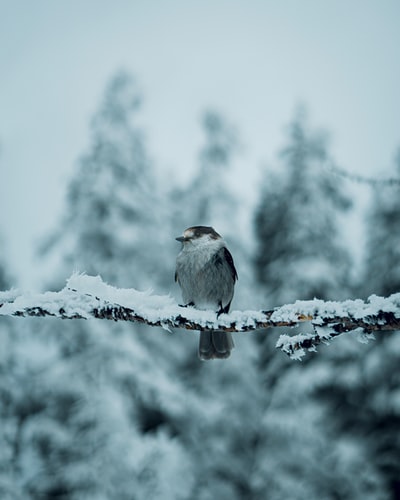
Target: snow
[[83, 294], [356, 309], [319, 311], [286, 342], [9, 295], [143, 302]]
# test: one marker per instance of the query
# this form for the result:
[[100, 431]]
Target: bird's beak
[[180, 238]]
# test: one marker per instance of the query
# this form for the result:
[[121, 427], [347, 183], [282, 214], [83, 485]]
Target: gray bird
[[206, 274]]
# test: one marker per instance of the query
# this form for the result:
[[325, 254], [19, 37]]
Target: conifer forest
[[104, 410]]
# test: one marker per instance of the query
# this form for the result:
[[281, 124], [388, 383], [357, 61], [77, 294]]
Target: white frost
[[82, 294]]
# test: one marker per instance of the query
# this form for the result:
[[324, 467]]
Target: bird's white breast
[[196, 255], [189, 265]]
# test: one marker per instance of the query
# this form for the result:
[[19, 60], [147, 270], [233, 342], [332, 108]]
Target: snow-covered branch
[[86, 297]]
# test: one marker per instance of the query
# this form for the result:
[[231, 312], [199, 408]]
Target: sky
[[255, 61]]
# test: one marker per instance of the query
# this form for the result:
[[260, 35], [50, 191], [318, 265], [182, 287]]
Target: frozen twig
[[86, 297]]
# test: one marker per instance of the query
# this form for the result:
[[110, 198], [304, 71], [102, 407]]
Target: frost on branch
[[86, 297]]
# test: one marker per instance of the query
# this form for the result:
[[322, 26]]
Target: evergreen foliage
[[299, 254], [363, 394], [382, 270]]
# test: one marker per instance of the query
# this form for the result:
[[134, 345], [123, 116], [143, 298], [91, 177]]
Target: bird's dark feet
[[223, 310]]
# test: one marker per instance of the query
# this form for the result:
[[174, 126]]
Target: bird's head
[[197, 236]]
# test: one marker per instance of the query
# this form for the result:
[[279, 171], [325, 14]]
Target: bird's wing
[[229, 260]]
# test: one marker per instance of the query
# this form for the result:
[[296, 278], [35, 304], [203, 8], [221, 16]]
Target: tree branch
[[86, 297], [361, 179]]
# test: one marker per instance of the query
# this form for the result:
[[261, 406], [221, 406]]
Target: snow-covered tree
[[382, 270], [208, 199], [363, 393], [114, 204], [258, 451], [300, 254], [8, 420], [109, 400], [211, 198]]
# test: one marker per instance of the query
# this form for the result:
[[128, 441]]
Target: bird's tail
[[215, 345]]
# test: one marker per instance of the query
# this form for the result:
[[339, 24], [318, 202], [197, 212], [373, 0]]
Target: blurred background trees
[[102, 410], [300, 253], [364, 393]]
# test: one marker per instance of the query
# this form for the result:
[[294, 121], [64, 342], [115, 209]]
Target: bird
[[206, 274]]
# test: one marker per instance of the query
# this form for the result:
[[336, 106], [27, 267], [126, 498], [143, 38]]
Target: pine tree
[[223, 390], [110, 399], [208, 199], [8, 419], [363, 393], [299, 254], [382, 271], [114, 204], [259, 438], [293, 445]]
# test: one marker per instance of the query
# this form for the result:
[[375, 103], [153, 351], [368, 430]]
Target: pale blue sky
[[254, 60]]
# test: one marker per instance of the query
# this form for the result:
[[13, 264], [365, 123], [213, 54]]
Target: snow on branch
[[86, 297]]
